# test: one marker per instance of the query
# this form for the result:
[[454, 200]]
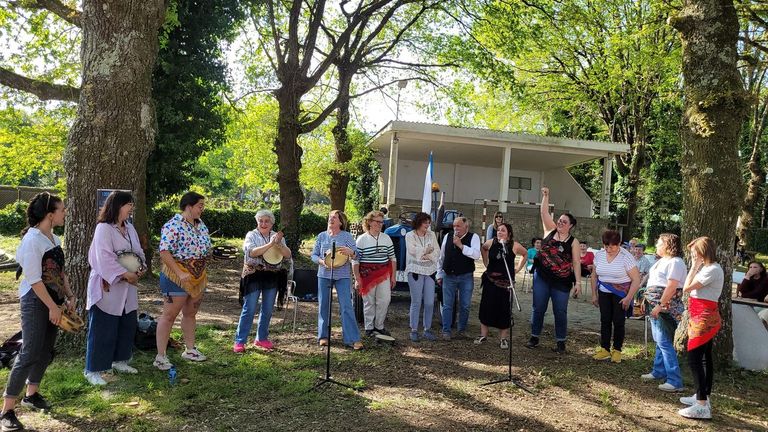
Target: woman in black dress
[[494, 303]]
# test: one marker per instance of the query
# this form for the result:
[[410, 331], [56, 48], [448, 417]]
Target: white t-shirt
[[29, 255], [667, 268], [616, 271], [711, 278]]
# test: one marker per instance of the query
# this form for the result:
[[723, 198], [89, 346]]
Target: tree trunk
[[340, 175], [756, 175], [633, 184], [715, 107], [115, 126], [289, 165]]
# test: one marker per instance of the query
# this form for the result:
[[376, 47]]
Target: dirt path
[[436, 385]]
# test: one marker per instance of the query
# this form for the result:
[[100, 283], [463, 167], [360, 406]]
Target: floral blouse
[[185, 240]]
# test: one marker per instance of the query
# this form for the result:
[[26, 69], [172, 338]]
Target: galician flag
[[426, 199]]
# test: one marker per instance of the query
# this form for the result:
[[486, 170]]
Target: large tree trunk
[[289, 165], [715, 106], [340, 175], [115, 126]]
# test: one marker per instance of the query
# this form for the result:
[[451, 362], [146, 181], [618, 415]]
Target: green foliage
[[233, 221], [757, 239], [188, 82], [32, 146], [13, 218], [364, 185]]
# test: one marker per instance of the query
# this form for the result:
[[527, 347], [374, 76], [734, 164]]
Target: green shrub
[[234, 221], [13, 218], [757, 240]]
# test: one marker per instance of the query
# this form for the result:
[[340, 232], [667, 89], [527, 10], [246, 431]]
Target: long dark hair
[[510, 234], [111, 210], [41, 204]]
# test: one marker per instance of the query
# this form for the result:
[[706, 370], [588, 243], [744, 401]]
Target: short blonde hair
[[369, 217], [705, 247]]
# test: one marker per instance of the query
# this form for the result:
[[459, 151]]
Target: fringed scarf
[[374, 274], [195, 267], [703, 322]]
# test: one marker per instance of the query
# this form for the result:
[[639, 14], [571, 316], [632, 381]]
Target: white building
[[475, 164]]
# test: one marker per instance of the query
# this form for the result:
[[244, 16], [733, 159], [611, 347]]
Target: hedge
[[231, 222], [13, 218], [758, 240], [235, 222]]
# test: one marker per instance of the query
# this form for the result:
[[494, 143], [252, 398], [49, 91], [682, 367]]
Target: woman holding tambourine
[[42, 296], [117, 262], [265, 270], [322, 255], [185, 246]]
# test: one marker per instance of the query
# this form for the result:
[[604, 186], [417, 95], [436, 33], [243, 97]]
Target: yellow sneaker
[[602, 354], [616, 356]]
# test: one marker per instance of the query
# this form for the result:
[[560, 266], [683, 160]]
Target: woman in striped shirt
[[615, 281], [374, 270]]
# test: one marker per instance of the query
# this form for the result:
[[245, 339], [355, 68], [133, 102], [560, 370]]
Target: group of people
[[557, 260]]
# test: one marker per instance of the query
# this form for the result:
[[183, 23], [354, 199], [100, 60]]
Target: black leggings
[[700, 361], [612, 317]]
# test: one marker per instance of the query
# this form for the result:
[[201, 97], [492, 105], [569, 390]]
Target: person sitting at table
[[755, 283]]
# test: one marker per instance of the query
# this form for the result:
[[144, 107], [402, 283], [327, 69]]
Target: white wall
[[566, 193], [471, 182]]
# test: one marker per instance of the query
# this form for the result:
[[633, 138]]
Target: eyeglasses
[[562, 222], [499, 217], [377, 221]]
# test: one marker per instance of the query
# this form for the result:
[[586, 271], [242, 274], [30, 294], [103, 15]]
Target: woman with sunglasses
[[42, 291], [374, 271], [557, 274], [490, 232]]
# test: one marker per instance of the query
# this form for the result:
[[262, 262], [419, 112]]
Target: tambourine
[[337, 262], [130, 261], [70, 322], [384, 338], [273, 256]]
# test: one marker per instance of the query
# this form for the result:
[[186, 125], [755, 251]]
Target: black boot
[[560, 348], [533, 342]]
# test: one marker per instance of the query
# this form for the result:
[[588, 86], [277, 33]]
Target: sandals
[[480, 339]]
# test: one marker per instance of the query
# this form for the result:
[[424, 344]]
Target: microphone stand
[[327, 378], [512, 296]]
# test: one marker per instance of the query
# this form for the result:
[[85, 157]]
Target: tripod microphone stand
[[512, 296], [327, 378]]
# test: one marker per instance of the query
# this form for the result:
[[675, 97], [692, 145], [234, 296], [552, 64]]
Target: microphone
[[333, 250]]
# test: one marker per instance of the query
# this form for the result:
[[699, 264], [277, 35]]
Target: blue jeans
[[464, 284], [665, 363], [543, 290], [421, 289], [349, 331], [250, 305], [110, 339]]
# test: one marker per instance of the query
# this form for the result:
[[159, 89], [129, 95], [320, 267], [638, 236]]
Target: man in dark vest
[[459, 251]]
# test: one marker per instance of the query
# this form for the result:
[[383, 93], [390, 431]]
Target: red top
[[588, 259]]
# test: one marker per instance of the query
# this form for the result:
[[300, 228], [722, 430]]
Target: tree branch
[[41, 89], [65, 12]]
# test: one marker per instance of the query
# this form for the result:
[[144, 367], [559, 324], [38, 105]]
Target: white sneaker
[[667, 387], [193, 355], [696, 411], [648, 377], [690, 400], [94, 378], [161, 362], [123, 367]]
